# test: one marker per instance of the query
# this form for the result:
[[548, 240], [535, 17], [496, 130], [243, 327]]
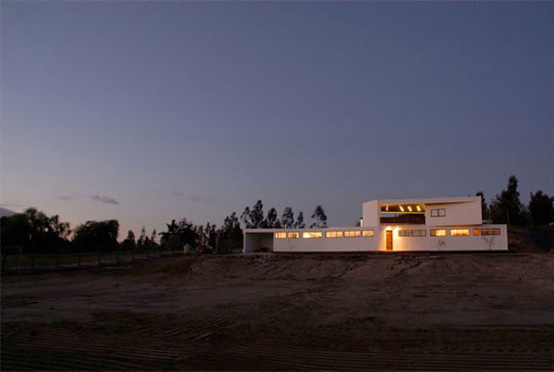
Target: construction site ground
[[271, 312]]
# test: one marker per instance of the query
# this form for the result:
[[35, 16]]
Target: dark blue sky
[[147, 111]]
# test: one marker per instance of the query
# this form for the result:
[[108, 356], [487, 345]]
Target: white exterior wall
[[468, 213], [445, 243], [266, 237], [323, 244], [371, 213]]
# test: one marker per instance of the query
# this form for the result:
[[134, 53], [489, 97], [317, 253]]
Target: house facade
[[393, 225]]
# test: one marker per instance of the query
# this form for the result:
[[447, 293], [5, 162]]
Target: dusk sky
[[151, 111]]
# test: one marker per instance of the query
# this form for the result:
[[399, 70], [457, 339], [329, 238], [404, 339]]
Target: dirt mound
[[285, 312]]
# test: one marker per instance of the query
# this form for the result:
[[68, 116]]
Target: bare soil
[[455, 312]]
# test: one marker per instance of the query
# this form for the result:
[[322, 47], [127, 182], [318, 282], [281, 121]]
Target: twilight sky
[[146, 112]]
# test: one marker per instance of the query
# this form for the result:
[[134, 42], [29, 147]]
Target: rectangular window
[[438, 232], [411, 233], [312, 234], [293, 235], [352, 234], [280, 235], [476, 232], [490, 231], [368, 233], [459, 232], [333, 234], [441, 212]]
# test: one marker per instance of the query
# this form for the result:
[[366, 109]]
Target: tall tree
[[541, 208], [287, 219], [319, 217], [130, 242], [97, 235], [253, 218], [507, 207], [230, 237], [272, 220], [299, 224], [188, 233]]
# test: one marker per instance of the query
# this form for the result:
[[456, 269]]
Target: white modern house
[[393, 225]]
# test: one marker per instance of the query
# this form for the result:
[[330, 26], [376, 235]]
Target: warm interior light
[[410, 208], [401, 208], [418, 208], [387, 208]]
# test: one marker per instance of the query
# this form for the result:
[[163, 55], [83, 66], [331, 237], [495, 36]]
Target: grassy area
[[25, 261]]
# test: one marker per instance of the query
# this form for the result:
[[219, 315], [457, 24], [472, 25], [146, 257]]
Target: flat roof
[[443, 200]]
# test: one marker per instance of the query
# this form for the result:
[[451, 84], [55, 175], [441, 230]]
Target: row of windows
[[369, 233], [453, 232], [328, 234]]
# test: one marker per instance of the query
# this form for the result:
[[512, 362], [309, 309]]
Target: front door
[[389, 240]]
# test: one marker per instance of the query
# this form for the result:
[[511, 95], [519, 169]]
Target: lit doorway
[[389, 240]]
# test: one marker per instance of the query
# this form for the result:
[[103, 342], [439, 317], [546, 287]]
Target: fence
[[13, 261], [542, 237]]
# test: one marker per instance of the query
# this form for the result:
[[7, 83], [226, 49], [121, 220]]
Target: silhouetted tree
[[319, 217], [287, 219], [253, 218], [99, 236], [130, 242], [188, 233], [272, 220], [541, 208], [170, 238], [229, 237], [507, 207], [299, 224], [211, 235]]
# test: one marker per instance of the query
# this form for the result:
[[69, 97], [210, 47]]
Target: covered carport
[[258, 240]]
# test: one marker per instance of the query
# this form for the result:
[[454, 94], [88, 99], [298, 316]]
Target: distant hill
[[4, 212]]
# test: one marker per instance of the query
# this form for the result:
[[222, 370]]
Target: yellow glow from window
[[312, 234], [401, 208], [293, 235], [352, 234], [368, 233], [418, 208], [476, 232], [410, 208], [440, 232], [333, 234], [280, 235], [459, 232]]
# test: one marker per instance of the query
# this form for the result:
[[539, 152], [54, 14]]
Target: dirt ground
[[455, 312]]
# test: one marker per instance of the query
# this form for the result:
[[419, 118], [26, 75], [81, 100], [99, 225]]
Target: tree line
[[33, 232], [253, 218], [507, 208]]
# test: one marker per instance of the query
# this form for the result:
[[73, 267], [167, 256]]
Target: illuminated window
[[490, 231], [293, 235], [368, 233], [352, 234], [411, 233], [476, 232], [280, 235], [441, 212], [333, 234], [459, 232], [312, 234], [439, 232]]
